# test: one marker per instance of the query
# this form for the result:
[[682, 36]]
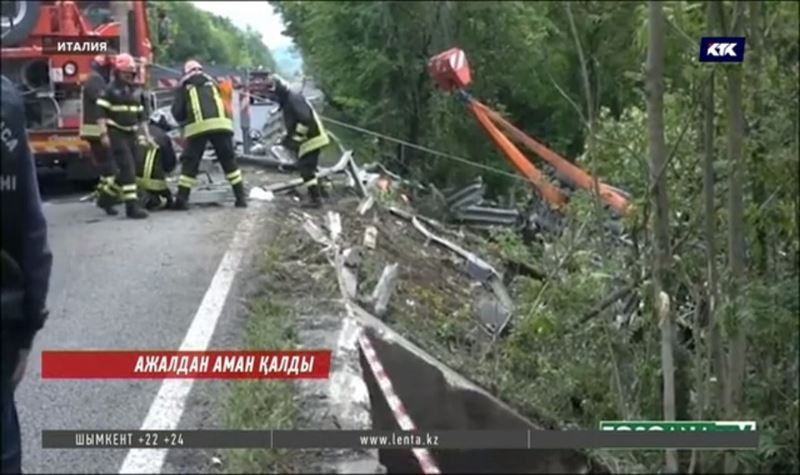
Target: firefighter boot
[[106, 203], [181, 202], [241, 198], [168, 198], [105, 198], [314, 200], [133, 210], [323, 190]]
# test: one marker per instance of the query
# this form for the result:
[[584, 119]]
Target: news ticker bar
[[343, 439]]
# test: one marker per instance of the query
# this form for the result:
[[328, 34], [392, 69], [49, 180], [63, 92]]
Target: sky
[[258, 15]]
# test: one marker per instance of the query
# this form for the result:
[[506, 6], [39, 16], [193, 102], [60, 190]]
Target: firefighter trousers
[[105, 167], [307, 166], [196, 146], [123, 147]]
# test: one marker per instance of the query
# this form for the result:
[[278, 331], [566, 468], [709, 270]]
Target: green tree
[[574, 78], [206, 37]]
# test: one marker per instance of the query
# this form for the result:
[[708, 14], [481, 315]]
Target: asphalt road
[[116, 284]]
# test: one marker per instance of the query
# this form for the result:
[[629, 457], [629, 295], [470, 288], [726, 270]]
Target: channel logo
[[715, 49]]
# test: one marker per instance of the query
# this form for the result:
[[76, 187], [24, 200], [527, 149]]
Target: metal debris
[[366, 204], [353, 257], [370, 237], [492, 314], [350, 282], [267, 161], [334, 223], [467, 196], [467, 206], [212, 194], [260, 194], [477, 268], [316, 232], [341, 165], [482, 215], [475, 262], [384, 289]]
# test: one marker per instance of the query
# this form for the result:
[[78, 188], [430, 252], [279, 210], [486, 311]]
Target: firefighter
[[107, 190], [122, 113], [198, 106], [26, 265], [305, 135], [153, 164]]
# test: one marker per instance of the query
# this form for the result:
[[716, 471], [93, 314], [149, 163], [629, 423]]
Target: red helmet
[[191, 66], [125, 63]]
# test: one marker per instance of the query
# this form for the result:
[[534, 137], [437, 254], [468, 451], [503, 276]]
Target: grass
[[263, 405]]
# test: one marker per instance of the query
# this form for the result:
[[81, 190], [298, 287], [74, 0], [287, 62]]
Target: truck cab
[[52, 83]]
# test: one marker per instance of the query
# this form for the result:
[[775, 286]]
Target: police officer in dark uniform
[[152, 166], [305, 134], [198, 105], [96, 82], [122, 114], [26, 264]]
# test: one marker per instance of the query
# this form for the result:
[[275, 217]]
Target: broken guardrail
[[345, 164], [466, 206], [476, 268]]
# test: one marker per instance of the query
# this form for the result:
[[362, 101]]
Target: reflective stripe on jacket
[[121, 105], [199, 105], [92, 89], [303, 124]]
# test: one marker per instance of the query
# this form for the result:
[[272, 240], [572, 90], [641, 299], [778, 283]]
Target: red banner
[[186, 364]]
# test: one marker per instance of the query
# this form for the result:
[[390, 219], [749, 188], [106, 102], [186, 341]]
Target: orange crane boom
[[450, 71], [524, 167]]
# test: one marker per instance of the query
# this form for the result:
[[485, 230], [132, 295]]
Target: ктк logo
[[722, 49]]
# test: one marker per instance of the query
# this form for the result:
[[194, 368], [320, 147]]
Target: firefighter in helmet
[[153, 164], [96, 82], [305, 135], [122, 114], [199, 107]]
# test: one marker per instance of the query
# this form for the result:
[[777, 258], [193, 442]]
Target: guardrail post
[[245, 112]]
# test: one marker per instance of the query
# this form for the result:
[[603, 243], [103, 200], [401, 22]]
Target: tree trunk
[[660, 205], [736, 239], [757, 163], [715, 354], [590, 118]]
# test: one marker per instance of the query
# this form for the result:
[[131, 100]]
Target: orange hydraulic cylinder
[[550, 193]]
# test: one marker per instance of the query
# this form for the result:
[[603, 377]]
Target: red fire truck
[[51, 83]]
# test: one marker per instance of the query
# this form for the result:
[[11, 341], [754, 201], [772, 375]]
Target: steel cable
[[406, 143]]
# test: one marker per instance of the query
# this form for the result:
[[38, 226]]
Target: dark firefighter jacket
[[303, 126], [153, 163], [199, 107], [26, 257], [122, 105], [92, 90]]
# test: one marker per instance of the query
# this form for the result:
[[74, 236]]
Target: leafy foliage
[[196, 34], [370, 59]]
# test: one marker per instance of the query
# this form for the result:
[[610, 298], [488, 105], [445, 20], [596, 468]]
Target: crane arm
[[572, 172], [524, 167]]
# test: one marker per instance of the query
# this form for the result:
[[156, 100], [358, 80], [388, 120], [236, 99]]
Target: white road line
[[167, 407]]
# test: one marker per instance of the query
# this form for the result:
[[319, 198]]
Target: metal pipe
[[120, 9], [244, 112]]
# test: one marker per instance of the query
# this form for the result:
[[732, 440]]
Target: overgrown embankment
[[289, 273]]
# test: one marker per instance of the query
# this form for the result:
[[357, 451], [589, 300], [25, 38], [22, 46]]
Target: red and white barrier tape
[[426, 461]]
